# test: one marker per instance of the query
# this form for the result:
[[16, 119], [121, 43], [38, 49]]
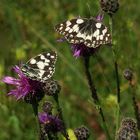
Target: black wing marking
[[82, 30], [41, 67]]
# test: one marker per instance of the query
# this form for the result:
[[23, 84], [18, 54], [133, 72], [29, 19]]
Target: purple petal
[[18, 71], [43, 117], [61, 40], [10, 80], [13, 92], [100, 17], [76, 53]]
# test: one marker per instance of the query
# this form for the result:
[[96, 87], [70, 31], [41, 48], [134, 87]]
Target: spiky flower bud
[[82, 133], [52, 88], [109, 6], [128, 74], [47, 107], [128, 130]]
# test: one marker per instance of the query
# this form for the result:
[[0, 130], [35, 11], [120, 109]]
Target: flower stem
[[135, 106], [35, 109], [117, 76], [61, 117], [94, 94]]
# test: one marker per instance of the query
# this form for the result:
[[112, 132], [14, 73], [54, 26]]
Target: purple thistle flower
[[51, 123], [24, 86], [100, 17], [82, 50]]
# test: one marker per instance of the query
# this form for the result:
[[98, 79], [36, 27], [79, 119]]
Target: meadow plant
[[82, 133], [127, 130], [35, 83]]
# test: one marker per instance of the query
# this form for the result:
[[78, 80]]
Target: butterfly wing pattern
[[40, 67], [90, 32]]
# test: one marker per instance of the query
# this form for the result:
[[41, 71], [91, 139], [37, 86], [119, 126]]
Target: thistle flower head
[[47, 107], [128, 74], [109, 6], [128, 130], [52, 88], [51, 123], [82, 133], [129, 122], [82, 50], [23, 85]]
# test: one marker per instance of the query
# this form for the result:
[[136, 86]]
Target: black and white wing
[[40, 67], [90, 32]]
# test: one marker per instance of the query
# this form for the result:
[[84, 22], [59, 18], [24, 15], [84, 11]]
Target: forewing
[[71, 28], [41, 67], [90, 32], [96, 34]]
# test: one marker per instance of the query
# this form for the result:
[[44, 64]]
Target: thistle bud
[[82, 133], [128, 74], [109, 6], [47, 107], [128, 130], [52, 88]]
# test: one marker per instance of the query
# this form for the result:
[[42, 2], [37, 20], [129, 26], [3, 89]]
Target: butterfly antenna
[[89, 9]]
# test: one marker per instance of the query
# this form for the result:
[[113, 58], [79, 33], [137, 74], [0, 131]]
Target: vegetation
[[27, 29]]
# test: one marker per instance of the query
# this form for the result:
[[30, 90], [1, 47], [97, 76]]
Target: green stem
[[135, 106], [65, 134], [35, 109], [95, 96], [117, 76]]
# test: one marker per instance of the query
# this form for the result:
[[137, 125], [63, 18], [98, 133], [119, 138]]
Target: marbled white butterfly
[[90, 32], [40, 67]]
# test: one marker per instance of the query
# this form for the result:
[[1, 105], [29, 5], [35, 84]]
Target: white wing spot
[[71, 36], [33, 61], [72, 41], [68, 23], [75, 28], [79, 21], [96, 33], [50, 68], [104, 31], [101, 37], [46, 64], [47, 60], [63, 33], [88, 37], [70, 31], [41, 73], [81, 35], [42, 56], [60, 28], [67, 28], [98, 25], [97, 38], [48, 54], [40, 65], [49, 76], [52, 56], [106, 38]]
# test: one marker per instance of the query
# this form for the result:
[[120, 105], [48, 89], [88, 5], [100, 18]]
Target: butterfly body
[[40, 67], [88, 31]]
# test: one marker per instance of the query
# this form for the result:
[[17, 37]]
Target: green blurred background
[[27, 29]]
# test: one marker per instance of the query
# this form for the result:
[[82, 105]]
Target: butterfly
[[89, 31], [41, 67]]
